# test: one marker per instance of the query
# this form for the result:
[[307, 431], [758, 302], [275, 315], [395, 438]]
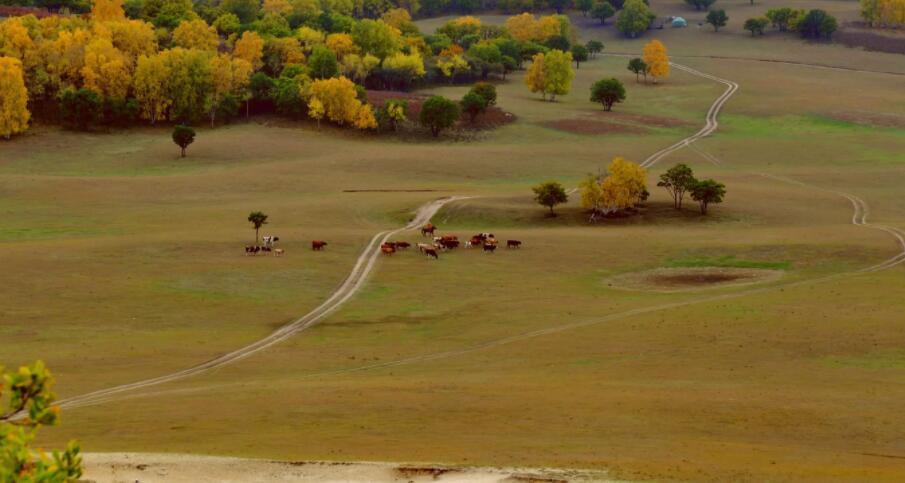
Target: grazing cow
[[490, 241], [428, 229], [489, 247], [388, 248], [431, 253], [401, 245], [424, 246], [278, 252], [449, 244], [266, 249], [251, 250], [513, 244], [390, 244], [269, 240], [318, 245]]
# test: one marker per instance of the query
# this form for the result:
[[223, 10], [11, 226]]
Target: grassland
[[122, 261]]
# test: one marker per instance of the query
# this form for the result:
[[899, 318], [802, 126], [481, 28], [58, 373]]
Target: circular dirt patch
[[697, 278]]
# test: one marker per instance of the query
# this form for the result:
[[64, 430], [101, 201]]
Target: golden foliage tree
[[14, 113], [558, 73], [251, 49], [656, 59], [340, 104], [534, 79], [108, 10], [149, 84], [14, 39], [107, 71], [196, 34], [229, 77], [341, 44], [133, 37], [624, 187]]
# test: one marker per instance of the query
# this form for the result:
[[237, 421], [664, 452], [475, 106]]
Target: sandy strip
[[183, 468]]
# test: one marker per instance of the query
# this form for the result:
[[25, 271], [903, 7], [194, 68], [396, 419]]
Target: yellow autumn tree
[[358, 67], [14, 39], [534, 79], [279, 7], [397, 17], [558, 73], [14, 113], [250, 48], [316, 110], [340, 101], [364, 118], [133, 38], [309, 38], [150, 87], [229, 77], [341, 44], [657, 61], [107, 10], [196, 34], [624, 187], [107, 71], [522, 27]]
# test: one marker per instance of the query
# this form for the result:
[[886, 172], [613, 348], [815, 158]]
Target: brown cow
[[252, 250], [318, 245], [449, 244], [428, 229], [431, 252], [388, 248], [489, 247], [401, 245], [424, 246], [513, 244]]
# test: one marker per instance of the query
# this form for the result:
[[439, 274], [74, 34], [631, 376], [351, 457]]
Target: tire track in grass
[[364, 265]]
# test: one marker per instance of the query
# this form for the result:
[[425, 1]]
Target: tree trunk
[[256, 235], [183, 151], [247, 109], [703, 208]]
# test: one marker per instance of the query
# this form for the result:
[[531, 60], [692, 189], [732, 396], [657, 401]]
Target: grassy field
[[122, 261]]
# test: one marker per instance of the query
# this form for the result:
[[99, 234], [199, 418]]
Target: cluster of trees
[[634, 16], [653, 62], [679, 181], [108, 68], [884, 13], [621, 188], [813, 23], [29, 395]]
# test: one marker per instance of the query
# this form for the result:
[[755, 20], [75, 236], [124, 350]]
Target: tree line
[[108, 68], [624, 186]]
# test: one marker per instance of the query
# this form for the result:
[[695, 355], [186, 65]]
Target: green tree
[[584, 6], [594, 47], [559, 5], [602, 11], [183, 136], [438, 113], [783, 18], [817, 23], [756, 25], [634, 18], [473, 104], [700, 4], [677, 181], [488, 53], [550, 194], [29, 407], [579, 54], [257, 219], [485, 90], [607, 92], [717, 18], [322, 63], [639, 67], [706, 192], [81, 109]]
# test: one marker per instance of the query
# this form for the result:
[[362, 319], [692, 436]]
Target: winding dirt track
[[365, 263], [356, 279]]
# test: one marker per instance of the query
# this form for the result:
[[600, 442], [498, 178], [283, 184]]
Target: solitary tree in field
[[607, 92], [717, 18], [678, 180], [30, 398], [183, 136], [638, 66], [706, 192], [258, 219], [594, 47], [656, 59], [579, 54], [550, 194]]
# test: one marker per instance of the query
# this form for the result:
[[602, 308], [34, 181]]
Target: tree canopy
[[707, 192], [438, 113], [607, 92], [183, 136], [550, 194]]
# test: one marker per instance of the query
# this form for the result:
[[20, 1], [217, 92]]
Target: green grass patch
[[728, 261], [885, 359]]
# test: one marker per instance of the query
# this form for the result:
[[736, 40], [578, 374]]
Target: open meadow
[[123, 262]]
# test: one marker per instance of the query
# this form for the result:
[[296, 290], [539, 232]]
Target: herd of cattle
[[486, 241]]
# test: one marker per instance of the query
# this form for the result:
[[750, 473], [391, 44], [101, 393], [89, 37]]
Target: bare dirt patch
[[856, 34], [643, 120], [584, 126], [694, 278]]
